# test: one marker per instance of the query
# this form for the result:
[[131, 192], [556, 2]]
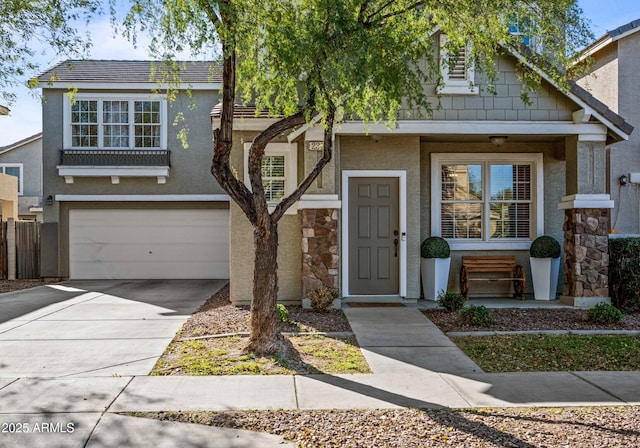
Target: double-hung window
[[279, 165], [114, 122], [13, 169], [485, 201]]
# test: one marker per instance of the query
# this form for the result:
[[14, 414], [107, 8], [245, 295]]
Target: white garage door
[[148, 244]]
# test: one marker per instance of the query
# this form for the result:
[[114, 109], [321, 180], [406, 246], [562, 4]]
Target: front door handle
[[395, 243]]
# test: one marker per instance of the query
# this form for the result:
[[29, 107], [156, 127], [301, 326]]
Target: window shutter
[[458, 66]]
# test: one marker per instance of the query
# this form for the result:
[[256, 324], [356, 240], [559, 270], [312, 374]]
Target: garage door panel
[[194, 236], [133, 270], [141, 244], [141, 253]]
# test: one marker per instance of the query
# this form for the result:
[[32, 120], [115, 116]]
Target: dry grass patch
[[214, 355], [224, 356], [546, 353]]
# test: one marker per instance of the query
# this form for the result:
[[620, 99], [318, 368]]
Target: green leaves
[[30, 27]]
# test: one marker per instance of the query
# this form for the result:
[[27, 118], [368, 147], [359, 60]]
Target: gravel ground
[[533, 427], [531, 319], [217, 316], [15, 285]]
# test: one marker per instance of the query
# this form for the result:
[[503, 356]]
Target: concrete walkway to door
[[403, 340]]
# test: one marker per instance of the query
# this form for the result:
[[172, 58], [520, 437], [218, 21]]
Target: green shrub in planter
[[451, 301], [476, 315], [435, 247], [603, 313], [545, 247]]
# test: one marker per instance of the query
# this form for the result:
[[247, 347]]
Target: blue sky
[[26, 118]]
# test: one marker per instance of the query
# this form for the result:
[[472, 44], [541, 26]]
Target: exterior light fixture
[[49, 200], [623, 180], [498, 140]]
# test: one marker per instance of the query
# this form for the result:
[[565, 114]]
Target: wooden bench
[[487, 264]]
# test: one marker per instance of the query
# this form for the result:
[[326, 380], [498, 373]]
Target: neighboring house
[[127, 200], [23, 159], [613, 79], [4, 110], [487, 172]]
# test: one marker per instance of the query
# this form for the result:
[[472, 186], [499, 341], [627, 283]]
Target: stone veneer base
[[584, 302]]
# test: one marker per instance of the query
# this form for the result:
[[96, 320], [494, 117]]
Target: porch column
[[586, 222], [320, 259]]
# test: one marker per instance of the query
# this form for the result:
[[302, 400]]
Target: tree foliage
[[30, 28], [337, 60]]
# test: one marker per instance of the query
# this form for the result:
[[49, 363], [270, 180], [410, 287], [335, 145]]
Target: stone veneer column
[[320, 258], [586, 249]]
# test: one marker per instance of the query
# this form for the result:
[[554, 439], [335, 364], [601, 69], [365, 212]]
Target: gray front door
[[374, 240]]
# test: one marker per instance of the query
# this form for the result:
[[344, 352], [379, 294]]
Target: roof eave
[[621, 132]]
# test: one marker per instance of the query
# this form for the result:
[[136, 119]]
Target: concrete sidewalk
[[414, 364]]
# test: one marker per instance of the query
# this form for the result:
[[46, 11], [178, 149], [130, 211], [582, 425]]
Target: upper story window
[[279, 166], [521, 26], [114, 122], [457, 70], [487, 201], [13, 169]]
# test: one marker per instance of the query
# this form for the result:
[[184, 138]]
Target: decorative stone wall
[[586, 248], [320, 258]]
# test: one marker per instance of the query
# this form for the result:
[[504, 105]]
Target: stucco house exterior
[[128, 201], [23, 159], [613, 80], [360, 226]]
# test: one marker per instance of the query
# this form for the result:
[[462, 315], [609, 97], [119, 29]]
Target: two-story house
[[124, 198], [613, 79], [486, 171], [23, 159]]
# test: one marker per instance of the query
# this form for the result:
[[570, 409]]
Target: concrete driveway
[[93, 328]]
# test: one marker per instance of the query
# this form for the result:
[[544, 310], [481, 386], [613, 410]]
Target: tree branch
[[256, 153], [223, 136], [288, 201]]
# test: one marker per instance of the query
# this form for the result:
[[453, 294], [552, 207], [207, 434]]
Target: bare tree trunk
[[265, 335]]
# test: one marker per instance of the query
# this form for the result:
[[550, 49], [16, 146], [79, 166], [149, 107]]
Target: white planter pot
[[544, 276], [435, 276]]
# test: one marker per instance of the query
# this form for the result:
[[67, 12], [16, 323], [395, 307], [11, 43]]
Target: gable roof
[[19, 143], [130, 73], [614, 122], [610, 37]]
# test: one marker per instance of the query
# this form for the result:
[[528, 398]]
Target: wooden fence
[[27, 250]]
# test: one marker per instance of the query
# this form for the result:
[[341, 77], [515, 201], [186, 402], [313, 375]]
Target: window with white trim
[[13, 169], [521, 26], [487, 200], [457, 70], [278, 170], [115, 122]]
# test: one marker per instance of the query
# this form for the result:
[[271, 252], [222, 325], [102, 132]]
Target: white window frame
[[537, 197], [450, 85], [290, 153], [67, 138], [20, 175]]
